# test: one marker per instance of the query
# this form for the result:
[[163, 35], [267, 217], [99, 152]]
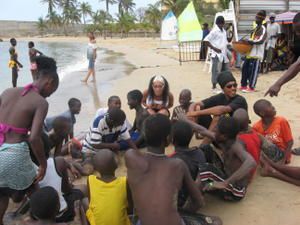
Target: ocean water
[[70, 57]]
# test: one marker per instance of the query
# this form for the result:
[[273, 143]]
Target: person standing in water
[[91, 56], [33, 52], [13, 63]]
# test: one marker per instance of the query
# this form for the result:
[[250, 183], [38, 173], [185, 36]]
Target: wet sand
[[268, 201]]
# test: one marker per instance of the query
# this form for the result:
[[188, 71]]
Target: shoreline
[[268, 201]]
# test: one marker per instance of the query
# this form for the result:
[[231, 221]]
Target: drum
[[242, 47]]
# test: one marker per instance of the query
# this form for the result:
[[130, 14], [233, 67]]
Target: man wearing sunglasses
[[221, 104]]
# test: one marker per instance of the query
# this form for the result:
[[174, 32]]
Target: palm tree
[[41, 25], [101, 19], [108, 2], [85, 9], [153, 16], [54, 19], [72, 15], [51, 4], [125, 23], [126, 6]]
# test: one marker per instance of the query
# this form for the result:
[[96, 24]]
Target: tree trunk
[[107, 6]]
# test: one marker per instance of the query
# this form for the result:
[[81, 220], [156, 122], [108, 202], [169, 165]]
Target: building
[[246, 10]]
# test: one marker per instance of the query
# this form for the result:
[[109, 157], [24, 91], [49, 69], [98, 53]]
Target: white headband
[[159, 79]]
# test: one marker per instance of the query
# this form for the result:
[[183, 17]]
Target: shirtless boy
[[33, 52], [14, 64], [21, 110], [164, 175], [134, 99], [229, 182]]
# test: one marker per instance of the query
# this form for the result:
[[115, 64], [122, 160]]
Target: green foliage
[[224, 4], [153, 16], [85, 10], [41, 25], [125, 23]]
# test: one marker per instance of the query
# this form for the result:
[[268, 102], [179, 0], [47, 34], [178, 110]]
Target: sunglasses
[[231, 85]]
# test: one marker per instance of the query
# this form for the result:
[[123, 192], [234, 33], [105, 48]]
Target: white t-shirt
[[258, 50], [272, 29], [90, 50], [218, 39]]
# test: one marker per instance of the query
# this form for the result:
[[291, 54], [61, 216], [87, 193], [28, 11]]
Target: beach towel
[[17, 170]]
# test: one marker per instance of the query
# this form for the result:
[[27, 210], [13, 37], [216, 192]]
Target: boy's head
[[44, 204], [134, 98], [185, 98], [241, 115], [260, 17], [220, 21], [296, 24], [30, 44], [74, 105], [115, 117], [205, 26], [13, 41], [104, 162], [227, 129], [48, 79], [272, 17], [182, 134], [156, 130], [62, 126], [228, 83], [264, 108], [114, 102]]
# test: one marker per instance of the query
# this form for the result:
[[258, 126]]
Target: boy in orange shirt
[[274, 128]]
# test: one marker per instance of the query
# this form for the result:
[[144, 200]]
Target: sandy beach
[[268, 201]]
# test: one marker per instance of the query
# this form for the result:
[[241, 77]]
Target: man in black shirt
[[222, 104]]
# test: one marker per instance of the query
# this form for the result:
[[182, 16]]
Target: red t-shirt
[[252, 143], [279, 132]]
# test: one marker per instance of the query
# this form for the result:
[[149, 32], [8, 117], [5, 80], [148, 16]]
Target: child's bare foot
[[267, 170], [83, 81], [93, 81]]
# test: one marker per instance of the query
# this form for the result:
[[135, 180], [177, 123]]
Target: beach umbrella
[[285, 18]]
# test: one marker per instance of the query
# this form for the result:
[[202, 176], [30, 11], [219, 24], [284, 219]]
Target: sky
[[31, 10]]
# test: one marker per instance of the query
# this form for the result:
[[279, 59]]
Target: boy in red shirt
[[274, 128]]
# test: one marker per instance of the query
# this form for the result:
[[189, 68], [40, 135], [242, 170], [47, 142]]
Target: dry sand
[[268, 201]]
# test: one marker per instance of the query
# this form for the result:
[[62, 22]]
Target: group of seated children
[[159, 188]]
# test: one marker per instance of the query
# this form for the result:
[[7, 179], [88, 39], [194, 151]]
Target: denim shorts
[[91, 63]]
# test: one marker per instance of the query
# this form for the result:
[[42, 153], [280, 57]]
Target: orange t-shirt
[[279, 132]]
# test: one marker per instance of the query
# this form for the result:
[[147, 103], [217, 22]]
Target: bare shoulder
[[132, 156], [61, 162]]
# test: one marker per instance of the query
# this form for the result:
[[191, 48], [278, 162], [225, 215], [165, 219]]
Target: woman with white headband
[[158, 98]]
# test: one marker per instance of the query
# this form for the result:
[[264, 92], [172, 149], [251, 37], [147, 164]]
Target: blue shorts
[[91, 63]]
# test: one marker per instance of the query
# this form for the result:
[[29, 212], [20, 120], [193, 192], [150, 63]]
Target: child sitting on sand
[[44, 207], [231, 180], [274, 128], [155, 197], [112, 102], [134, 99], [74, 109], [185, 98], [33, 52], [182, 134], [105, 132], [158, 98], [109, 196]]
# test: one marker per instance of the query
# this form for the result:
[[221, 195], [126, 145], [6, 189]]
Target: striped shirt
[[101, 133]]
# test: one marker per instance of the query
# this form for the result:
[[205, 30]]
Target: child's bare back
[[161, 178]]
